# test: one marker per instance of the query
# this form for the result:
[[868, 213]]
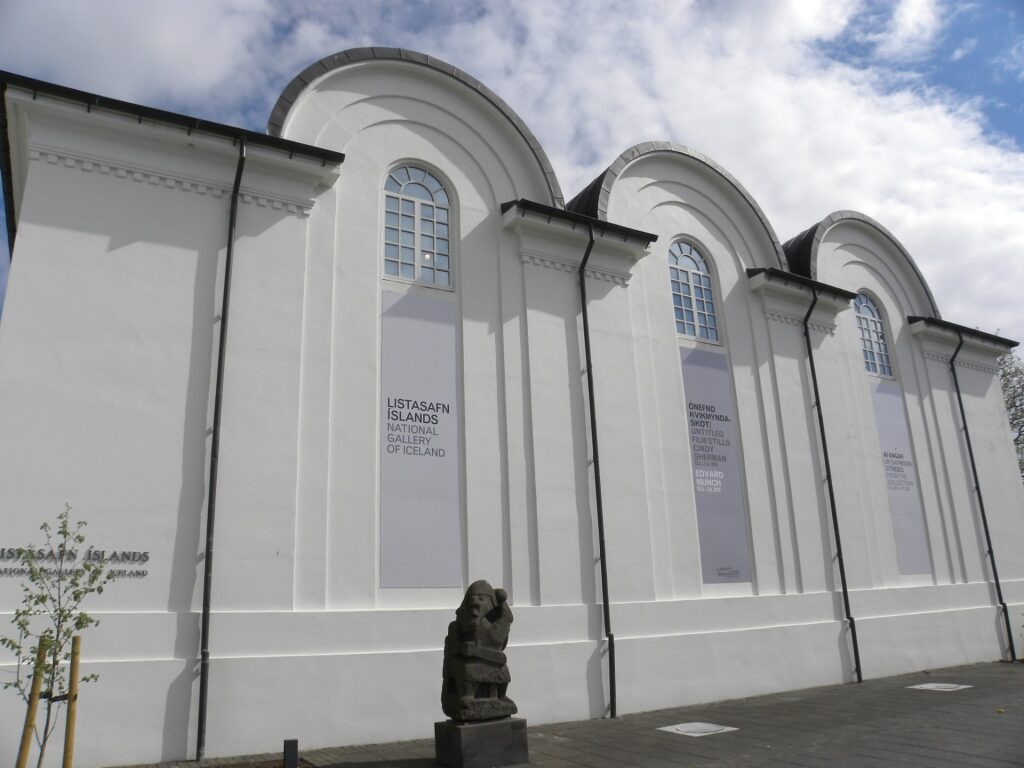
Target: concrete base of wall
[[350, 677]]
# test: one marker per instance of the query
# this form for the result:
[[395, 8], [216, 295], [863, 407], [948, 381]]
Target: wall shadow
[[582, 461]]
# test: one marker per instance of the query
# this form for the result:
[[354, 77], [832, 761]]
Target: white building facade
[[406, 407]]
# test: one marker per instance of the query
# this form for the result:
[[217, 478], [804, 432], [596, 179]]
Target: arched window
[[416, 243], [872, 336], [692, 299]]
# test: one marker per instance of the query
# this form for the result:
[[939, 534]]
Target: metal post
[[33, 702], [291, 753], [69, 728]]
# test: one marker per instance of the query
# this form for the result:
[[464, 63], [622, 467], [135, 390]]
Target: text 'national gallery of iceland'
[[306, 386]]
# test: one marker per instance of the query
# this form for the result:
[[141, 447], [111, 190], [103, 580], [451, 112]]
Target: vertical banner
[[420, 466], [901, 477], [717, 475]]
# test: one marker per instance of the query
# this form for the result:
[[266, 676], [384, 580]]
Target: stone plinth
[[486, 744]]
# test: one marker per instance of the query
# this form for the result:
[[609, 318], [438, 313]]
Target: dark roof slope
[[589, 198], [798, 252]]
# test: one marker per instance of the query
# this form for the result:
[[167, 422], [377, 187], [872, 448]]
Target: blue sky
[[976, 53], [908, 111]]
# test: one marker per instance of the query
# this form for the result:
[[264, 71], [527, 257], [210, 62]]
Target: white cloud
[[964, 49], [912, 30], [747, 82], [1011, 61], [175, 49]]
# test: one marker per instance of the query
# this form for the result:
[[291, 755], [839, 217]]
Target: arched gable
[[333, 99], [718, 187], [821, 251]]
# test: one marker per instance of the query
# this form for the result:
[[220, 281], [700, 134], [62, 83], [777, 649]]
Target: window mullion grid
[[692, 295], [872, 338], [407, 250], [424, 255], [417, 245], [418, 239]]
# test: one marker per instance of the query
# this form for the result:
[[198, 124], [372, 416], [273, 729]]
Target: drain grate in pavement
[[697, 729], [277, 762], [939, 687]]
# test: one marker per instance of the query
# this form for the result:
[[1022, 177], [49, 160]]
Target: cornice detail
[[550, 262], [961, 363], [989, 369], [164, 179], [782, 317]]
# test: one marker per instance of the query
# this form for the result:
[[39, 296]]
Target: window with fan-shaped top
[[693, 300], [417, 242], [874, 347]]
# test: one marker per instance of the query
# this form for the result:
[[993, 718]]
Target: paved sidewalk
[[877, 723]]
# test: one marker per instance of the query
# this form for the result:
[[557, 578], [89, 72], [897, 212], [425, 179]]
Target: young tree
[[1011, 374], [57, 582]]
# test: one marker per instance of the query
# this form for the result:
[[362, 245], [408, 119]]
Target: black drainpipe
[[831, 490], [6, 172], [981, 501], [597, 476], [204, 632]]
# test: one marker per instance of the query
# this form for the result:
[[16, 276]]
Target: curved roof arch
[[802, 250], [342, 59], [593, 199]]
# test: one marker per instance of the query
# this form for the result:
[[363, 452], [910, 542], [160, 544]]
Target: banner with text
[[717, 475], [901, 477], [420, 511]]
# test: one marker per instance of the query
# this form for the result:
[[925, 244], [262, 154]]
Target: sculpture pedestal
[[485, 744]]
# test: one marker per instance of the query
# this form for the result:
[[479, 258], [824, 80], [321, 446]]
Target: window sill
[[394, 280]]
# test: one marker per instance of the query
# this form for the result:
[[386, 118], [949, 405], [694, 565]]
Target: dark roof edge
[[587, 199], [798, 251], [964, 330], [808, 247], [792, 277], [291, 92], [578, 218], [595, 194], [93, 101], [5, 173]]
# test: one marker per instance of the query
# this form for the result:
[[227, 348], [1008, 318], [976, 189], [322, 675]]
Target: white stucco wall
[[107, 352]]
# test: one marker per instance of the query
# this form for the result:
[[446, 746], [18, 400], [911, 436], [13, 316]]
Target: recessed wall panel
[[717, 473], [901, 479], [420, 465]]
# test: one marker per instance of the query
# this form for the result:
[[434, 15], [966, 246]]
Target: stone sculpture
[[475, 671]]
